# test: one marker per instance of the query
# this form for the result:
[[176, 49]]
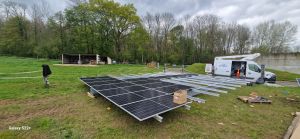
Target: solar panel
[[112, 92], [97, 82], [158, 85], [104, 87], [166, 100], [144, 109], [126, 98], [149, 93], [141, 82], [123, 84], [135, 88], [142, 98], [113, 81], [171, 89]]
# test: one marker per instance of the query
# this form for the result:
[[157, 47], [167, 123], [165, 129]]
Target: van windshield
[[254, 68]]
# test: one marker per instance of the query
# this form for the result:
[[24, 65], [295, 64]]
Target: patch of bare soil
[[32, 108]]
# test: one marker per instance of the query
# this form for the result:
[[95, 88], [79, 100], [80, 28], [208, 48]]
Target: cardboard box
[[180, 97]]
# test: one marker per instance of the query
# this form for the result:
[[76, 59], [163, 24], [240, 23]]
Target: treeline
[[111, 29]]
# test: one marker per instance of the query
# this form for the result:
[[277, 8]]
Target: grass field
[[65, 111], [284, 76], [196, 68]]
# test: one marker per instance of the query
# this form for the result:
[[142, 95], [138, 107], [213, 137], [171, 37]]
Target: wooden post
[[62, 58], [79, 61]]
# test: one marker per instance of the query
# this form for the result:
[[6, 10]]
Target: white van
[[230, 65]]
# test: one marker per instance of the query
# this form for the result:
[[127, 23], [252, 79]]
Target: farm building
[[92, 59]]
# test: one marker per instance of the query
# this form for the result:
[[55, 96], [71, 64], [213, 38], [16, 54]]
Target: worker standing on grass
[[46, 73]]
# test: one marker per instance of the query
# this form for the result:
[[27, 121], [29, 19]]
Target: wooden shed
[[92, 59]]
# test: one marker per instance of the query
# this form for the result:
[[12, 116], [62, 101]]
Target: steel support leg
[[187, 107], [158, 118]]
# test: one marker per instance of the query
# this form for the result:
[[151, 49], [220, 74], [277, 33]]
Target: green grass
[[284, 76], [65, 111], [64, 80], [196, 68]]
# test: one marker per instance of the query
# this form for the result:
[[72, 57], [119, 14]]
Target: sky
[[248, 12]]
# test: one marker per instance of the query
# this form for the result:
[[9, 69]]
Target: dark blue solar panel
[[166, 100], [142, 82], [149, 93], [97, 83], [114, 81], [123, 84], [135, 95], [104, 87], [144, 109], [126, 98], [137, 79], [158, 85], [172, 89], [134, 88], [115, 91]]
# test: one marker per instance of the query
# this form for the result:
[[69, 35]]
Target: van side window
[[254, 68]]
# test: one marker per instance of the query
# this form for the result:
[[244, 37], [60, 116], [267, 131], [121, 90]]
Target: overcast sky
[[249, 12]]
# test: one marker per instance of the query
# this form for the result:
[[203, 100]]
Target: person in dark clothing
[[46, 73]]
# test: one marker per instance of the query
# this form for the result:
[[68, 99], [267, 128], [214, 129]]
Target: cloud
[[53, 5], [249, 12]]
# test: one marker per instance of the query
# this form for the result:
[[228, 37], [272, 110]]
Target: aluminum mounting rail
[[200, 87], [202, 83], [210, 83], [213, 82], [198, 100], [229, 78], [195, 92], [219, 80]]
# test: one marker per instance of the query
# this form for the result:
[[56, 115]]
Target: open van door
[[253, 70]]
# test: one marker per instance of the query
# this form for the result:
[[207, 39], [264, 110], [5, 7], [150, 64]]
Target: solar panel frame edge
[[139, 119], [117, 98], [114, 103], [164, 111]]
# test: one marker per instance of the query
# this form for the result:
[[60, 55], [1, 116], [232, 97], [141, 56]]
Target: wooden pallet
[[250, 99]]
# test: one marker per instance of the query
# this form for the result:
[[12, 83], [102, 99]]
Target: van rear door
[[222, 67]]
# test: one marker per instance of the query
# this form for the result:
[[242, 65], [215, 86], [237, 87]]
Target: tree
[[242, 40], [273, 37], [110, 29], [138, 42], [14, 36]]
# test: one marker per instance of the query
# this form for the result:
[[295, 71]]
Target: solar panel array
[[142, 98]]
